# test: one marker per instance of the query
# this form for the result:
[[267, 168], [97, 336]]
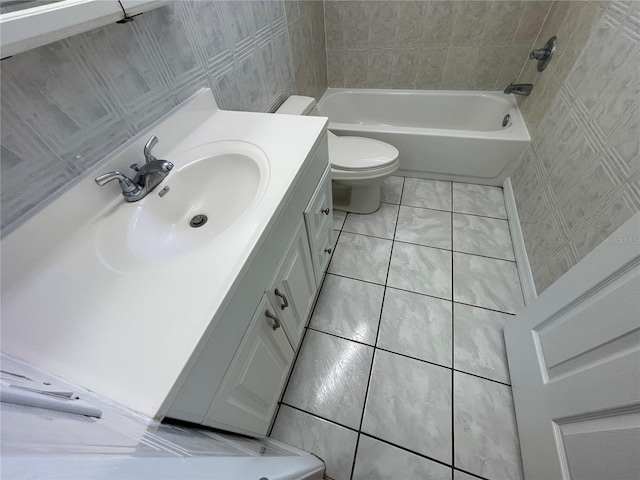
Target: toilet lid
[[358, 153]]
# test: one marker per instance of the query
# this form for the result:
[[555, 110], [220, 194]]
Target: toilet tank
[[298, 105]]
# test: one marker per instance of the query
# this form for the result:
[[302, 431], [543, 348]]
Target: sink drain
[[198, 221]]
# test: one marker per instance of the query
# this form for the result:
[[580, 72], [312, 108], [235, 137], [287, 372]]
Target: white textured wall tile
[[78, 99], [435, 30], [579, 182]]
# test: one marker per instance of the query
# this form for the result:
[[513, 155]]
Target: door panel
[[249, 393], [574, 359], [586, 460], [295, 283], [318, 217]]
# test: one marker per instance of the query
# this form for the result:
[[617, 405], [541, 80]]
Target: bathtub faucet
[[519, 88]]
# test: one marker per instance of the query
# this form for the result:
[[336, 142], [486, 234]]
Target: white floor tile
[[433, 194], [421, 269], [378, 224], [458, 475], [348, 308], [338, 219], [478, 200], [336, 445], [391, 189], [417, 326], [330, 378], [487, 283], [376, 460], [479, 342], [486, 436], [361, 257], [409, 404], [424, 227], [482, 236]]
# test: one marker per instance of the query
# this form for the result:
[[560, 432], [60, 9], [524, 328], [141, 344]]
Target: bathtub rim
[[520, 131]]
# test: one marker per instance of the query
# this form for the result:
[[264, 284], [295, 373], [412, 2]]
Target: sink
[[213, 187]]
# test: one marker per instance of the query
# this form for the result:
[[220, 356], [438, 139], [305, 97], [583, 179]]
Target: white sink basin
[[221, 180]]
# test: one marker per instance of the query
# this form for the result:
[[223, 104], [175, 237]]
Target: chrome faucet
[[148, 177], [519, 88]]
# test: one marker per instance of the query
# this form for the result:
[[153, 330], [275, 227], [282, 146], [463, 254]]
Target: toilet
[[358, 164]]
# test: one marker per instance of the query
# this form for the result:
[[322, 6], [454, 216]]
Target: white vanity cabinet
[[319, 219], [235, 380], [294, 287], [248, 396]]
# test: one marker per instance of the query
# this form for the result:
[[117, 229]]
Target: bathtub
[[443, 135]]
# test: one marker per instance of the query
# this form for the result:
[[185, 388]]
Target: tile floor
[[402, 372]]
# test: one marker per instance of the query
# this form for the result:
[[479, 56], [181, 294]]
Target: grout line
[[320, 417], [413, 358], [360, 433], [304, 335], [341, 337], [368, 235], [373, 355], [471, 474], [428, 246], [407, 450], [354, 278], [375, 348], [406, 355], [483, 378], [286, 385], [451, 211], [453, 426], [420, 293]]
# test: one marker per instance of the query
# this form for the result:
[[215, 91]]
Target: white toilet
[[358, 164]]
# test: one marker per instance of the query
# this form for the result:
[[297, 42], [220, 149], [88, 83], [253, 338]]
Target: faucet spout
[[519, 88], [151, 174]]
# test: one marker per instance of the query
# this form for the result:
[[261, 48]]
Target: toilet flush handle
[[325, 211]]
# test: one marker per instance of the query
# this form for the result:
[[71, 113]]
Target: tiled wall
[[477, 45], [68, 104], [306, 31], [580, 179], [572, 22]]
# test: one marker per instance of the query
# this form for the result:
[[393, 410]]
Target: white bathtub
[[444, 135]]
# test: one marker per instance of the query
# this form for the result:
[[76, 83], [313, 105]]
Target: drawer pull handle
[[276, 320], [285, 302], [326, 211], [328, 250]]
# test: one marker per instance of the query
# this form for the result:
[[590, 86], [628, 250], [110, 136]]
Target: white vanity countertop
[[128, 335]]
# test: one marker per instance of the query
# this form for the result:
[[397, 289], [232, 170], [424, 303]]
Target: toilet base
[[363, 199]]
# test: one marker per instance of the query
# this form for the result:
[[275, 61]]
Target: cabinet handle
[[325, 211], [328, 250], [276, 320], [285, 302]]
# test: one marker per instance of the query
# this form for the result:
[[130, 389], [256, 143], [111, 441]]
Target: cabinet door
[[294, 287], [248, 396], [318, 217]]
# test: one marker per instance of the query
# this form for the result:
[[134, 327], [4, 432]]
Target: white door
[[574, 358], [294, 287], [247, 399]]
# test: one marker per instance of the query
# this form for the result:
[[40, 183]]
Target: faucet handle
[[126, 184], [148, 146]]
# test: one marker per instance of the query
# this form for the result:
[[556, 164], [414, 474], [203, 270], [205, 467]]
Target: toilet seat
[[358, 154]]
